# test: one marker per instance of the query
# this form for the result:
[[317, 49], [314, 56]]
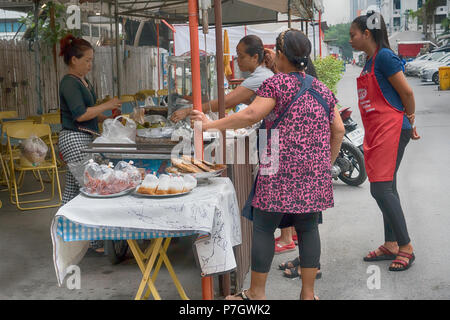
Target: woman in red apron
[[387, 107]]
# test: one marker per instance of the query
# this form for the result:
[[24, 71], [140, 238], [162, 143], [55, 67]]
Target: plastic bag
[[34, 150], [115, 132], [99, 179], [104, 180], [133, 175]]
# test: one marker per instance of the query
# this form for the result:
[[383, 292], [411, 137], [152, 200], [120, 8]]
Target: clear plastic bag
[[104, 180], [34, 150], [134, 176], [115, 132]]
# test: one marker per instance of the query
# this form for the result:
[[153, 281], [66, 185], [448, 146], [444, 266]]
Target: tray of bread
[[199, 169], [165, 186]]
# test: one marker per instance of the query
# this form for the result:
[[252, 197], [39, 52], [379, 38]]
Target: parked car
[[410, 64], [430, 73], [430, 64], [445, 48], [413, 68]]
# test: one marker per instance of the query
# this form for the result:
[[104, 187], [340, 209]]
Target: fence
[[19, 75]]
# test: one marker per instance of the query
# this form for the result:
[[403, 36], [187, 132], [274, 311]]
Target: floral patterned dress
[[302, 182]]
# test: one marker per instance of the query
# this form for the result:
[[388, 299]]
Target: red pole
[[320, 33], [207, 282], [195, 69]]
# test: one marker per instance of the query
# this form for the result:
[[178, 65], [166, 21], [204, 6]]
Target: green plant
[[46, 32], [329, 71]]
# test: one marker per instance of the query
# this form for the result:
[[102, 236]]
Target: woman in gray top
[[251, 57]]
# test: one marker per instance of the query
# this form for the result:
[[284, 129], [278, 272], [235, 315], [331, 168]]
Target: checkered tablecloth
[[210, 210], [71, 231]]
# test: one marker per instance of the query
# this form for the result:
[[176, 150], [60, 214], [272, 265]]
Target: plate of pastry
[[199, 169], [165, 186]]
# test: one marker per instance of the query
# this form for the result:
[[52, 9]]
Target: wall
[[18, 90]]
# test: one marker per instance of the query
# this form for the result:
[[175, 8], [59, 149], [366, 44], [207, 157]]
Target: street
[[355, 226], [350, 230]]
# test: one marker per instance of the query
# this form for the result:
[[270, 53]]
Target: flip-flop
[[242, 295], [406, 265], [295, 263], [295, 274], [387, 255]]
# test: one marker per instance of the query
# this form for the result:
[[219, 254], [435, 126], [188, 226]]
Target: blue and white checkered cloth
[[71, 231]]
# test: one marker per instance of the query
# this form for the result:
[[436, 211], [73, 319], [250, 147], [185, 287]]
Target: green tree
[[329, 71], [338, 35]]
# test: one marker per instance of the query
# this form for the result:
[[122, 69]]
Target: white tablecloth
[[210, 210]]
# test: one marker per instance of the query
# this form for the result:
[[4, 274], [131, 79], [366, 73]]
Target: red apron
[[382, 124]]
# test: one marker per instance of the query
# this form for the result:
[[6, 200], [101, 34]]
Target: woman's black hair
[[296, 47], [377, 28], [253, 45]]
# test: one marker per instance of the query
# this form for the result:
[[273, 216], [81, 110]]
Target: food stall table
[[210, 210]]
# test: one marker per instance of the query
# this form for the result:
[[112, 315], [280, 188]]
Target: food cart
[[159, 148]]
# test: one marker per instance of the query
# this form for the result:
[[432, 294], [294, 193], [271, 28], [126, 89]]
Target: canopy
[[175, 11], [299, 8]]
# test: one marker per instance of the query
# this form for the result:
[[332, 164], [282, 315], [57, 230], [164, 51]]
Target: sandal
[[387, 255], [294, 274], [241, 295], [406, 265], [286, 248], [294, 263]]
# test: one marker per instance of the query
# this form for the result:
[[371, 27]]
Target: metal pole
[[289, 15], [119, 73], [37, 57], [112, 51], [221, 100], [320, 34]]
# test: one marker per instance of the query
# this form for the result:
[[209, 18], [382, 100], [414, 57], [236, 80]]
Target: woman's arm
[[404, 90], [254, 113], [238, 95], [94, 112], [337, 134]]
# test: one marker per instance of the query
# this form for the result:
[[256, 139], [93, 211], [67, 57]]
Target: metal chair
[[4, 154], [24, 132]]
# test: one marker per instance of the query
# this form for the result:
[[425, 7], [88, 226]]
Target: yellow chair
[[8, 114], [4, 159], [162, 92], [24, 132]]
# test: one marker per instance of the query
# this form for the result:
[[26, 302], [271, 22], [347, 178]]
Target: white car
[[431, 72], [413, 67], [431, 64]]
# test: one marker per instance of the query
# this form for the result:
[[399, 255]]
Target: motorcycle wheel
[[351, 153], [116, 250]]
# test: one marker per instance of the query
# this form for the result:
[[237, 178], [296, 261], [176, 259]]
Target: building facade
[[397, 15]]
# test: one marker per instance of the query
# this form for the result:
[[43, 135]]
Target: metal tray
[[115, 195], [159, 196]]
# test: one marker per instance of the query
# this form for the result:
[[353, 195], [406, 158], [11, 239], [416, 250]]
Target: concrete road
[[350, 230], [354, 226]]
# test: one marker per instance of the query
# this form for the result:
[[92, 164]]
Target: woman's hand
[[412, 121], [414, 134], [113, 104], [200, 116], [180, 114]]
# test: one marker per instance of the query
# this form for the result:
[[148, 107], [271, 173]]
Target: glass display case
[[180, 80]]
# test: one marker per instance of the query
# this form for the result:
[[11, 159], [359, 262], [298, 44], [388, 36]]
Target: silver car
[[430, 73], [413, 67]]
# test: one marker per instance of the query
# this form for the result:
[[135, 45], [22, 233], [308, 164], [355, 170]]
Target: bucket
[[444, 78]]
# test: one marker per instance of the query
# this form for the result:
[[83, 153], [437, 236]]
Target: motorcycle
[[349, 165]]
